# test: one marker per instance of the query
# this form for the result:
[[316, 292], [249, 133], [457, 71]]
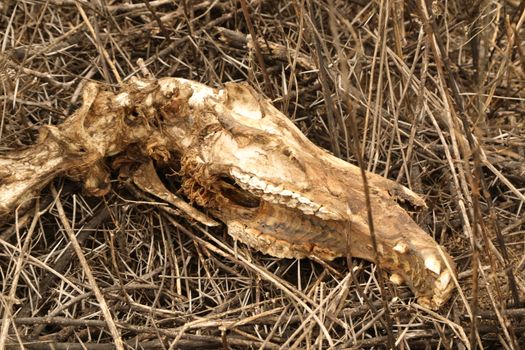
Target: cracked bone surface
[[243, 162]]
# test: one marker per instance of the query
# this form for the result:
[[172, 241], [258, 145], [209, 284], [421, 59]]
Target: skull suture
[[247, 165]]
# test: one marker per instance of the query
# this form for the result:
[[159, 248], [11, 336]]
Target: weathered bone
[[245, 163]]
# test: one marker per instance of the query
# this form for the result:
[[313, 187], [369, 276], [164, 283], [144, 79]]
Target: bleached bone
[[241, 160]]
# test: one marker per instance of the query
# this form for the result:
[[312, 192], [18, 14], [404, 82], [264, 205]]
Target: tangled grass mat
[[434, 93]]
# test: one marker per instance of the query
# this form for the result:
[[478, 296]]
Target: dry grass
[[438, 98]]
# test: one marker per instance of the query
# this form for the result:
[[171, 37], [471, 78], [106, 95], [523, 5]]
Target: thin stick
[[11, 297], [357, 152], [260, 59], [119, 344]]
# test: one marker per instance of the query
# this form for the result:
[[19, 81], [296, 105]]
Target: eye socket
[[237, 195]]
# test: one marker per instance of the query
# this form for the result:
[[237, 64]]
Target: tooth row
[[279, 195]]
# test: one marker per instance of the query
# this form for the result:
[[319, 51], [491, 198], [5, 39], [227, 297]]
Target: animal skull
[[245, 163]]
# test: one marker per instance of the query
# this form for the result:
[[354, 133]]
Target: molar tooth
[[262, 185], [306, 209], [238, 175], [269, 197], [304, 200], [253, 182], [326, 214], [401, 248], [270, 189], [323, 210], [323, 213], [396, 279], [277, 189], [433, 264], [292, 203], [282, 200], [256, 183], [286, 193]]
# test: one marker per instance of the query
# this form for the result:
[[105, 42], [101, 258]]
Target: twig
[[8, 301], [119, 344], [325, 85], [247, 18], [356, 150]]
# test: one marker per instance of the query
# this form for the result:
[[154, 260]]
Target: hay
[[437, 95]]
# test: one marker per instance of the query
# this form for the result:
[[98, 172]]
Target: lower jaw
[[287, 233]]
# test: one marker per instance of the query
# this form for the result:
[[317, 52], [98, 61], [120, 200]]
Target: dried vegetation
[[437, 95]]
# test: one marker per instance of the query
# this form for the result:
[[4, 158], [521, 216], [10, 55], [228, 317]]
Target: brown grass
[[435, 94]]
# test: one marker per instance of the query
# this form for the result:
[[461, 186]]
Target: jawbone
[[245, 163]]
